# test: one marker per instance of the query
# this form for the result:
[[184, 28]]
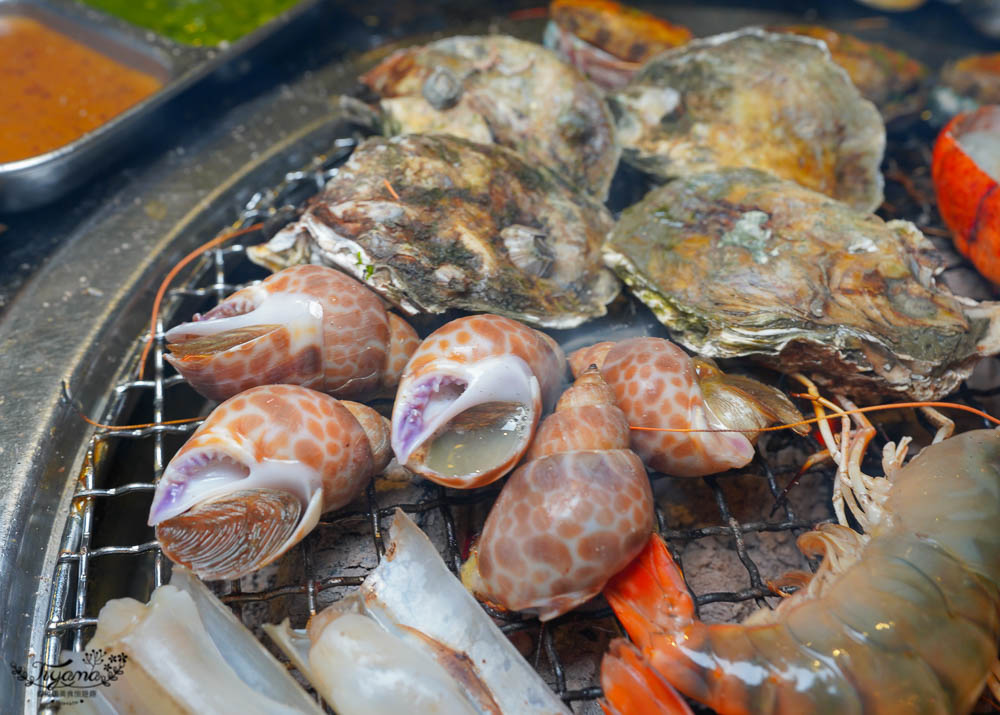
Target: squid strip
[[410, 608], [187, 653]]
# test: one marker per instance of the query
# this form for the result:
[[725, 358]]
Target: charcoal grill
[[76, 497]]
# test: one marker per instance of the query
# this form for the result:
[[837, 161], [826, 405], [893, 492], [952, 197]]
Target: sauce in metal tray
[[205, 22], [54, 89]]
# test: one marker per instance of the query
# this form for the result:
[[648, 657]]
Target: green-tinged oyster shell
[[433, 223], [496, 88], [737, 262], [758, 99]]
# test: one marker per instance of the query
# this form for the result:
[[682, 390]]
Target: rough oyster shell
[[500, 89], [893, 81], [738, 262], [752, 98], [474, 228]]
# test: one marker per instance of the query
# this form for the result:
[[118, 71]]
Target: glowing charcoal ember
[[470, 398], [256, 475], [306, 325]]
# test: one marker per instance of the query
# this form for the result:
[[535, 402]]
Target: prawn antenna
[[100, 425], [94, 423], [822, 418], [391, 190], [173, 274]]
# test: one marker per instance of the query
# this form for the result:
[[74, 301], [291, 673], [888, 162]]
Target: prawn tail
[[633, 687], [649, 595]]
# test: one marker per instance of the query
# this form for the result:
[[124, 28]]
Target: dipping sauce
[[54, 89], [195, 22]]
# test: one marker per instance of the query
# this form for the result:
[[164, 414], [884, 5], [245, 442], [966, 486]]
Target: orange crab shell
[[967, 196]]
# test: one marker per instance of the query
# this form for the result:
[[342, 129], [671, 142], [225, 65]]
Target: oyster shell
[[500, 89], [893, 81], [753, 98], [433, 223], [738, 262]]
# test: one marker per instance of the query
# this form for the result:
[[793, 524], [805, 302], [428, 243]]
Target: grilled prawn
[[305, 325], [254, 478], [656, 384], [470, 399], [902, 618], [574, 514]]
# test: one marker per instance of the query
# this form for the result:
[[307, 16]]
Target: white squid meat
[[412, 639]]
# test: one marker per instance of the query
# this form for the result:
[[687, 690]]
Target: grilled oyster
[[738, 262], [437, 222], [758, 99], [893, 81], [500, 89]]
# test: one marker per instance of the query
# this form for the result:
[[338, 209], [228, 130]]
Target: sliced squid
[[412, 639], [471, 397], [306, 325], [254, 478], [187, 654], [572, 516]]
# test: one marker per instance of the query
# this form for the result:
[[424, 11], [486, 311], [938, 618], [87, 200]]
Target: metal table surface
[[78, 276]]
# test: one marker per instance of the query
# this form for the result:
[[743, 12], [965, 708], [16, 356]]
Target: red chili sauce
[[54, 89]]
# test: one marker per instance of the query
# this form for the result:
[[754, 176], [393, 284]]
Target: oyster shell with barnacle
[[737, 262], [500, 89], [434, 222], [752, 98]]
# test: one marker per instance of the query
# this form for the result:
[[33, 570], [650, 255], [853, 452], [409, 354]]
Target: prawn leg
[[733, 669], [633, 687], [945, 425]]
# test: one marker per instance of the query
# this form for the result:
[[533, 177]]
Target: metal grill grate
[[553, 647]]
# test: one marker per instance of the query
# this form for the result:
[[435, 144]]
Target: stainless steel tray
[[34, 181]]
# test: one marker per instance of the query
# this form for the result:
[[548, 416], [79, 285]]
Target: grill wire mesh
[[114, 479]]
